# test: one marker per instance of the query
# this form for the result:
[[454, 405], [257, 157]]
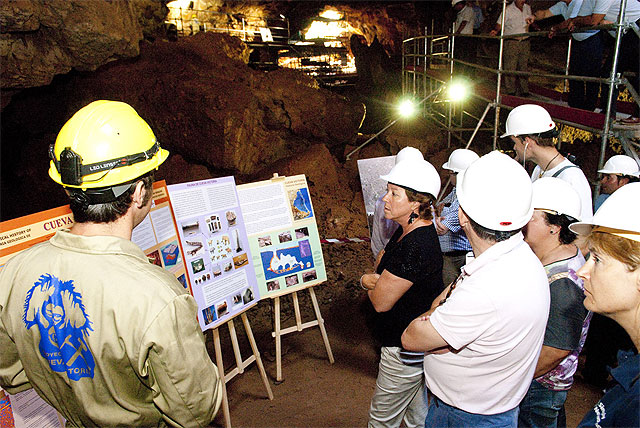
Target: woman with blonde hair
[[612, 288]]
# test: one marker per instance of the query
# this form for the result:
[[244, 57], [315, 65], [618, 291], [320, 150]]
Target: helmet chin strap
[[524, 155]]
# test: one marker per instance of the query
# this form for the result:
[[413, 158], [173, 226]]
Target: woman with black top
[[408, 277]]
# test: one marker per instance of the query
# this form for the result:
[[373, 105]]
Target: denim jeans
[[541, 406], [399, 393], [442, 415]]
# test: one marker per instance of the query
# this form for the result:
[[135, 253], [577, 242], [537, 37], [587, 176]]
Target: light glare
[[406, 108]]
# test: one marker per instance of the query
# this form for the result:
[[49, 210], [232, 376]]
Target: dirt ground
[[314, 392]]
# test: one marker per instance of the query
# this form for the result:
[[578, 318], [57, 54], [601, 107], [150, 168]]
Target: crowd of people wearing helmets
[[525, 262], [499, 345]]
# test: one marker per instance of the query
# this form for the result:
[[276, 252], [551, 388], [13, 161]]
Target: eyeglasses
[[452, 287]]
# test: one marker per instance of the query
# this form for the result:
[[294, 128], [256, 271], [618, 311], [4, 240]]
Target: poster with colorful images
[[283, 234], [27, 410], [157, 236], [373, 187], [215, 247], [23, 232]]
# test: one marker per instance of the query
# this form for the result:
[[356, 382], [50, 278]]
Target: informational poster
[[27, 410], [23, 232], [283, 234], [215, 246], [157, 235], [373, 187]]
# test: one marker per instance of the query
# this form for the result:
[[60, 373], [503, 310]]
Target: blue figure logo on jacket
[[56, 308]]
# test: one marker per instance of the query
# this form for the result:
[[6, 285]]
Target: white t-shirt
[[515, 19], [577, 179], [566, 10], [496, 317], [466, 14], [591, 7], [631, 13]]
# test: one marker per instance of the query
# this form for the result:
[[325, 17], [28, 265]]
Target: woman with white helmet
[[556, 205], [408, 276], [612, 288]]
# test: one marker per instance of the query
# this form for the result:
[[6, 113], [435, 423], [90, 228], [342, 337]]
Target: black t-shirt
[[566, 315], [416, 258]]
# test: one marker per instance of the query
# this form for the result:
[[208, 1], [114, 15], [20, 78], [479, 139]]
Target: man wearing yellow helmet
[[104, 336]]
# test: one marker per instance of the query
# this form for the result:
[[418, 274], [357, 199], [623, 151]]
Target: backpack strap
[[563, 168]]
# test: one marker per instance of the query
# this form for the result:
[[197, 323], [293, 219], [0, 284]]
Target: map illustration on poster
[[283, 235], [214, 241]]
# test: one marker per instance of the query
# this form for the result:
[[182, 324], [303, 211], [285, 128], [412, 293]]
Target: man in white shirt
[[516, 50], [465, 47], [532, 132], [484, 333]]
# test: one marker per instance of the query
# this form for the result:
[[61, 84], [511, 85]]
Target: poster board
[[216, 253], [373, 187], [27, 410], [283, 235], [23, 232], [157, 235]]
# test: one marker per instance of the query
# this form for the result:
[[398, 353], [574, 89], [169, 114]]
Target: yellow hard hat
[[104, 144]]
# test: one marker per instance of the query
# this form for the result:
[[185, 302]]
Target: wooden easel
[[279, 332], [240, 363]]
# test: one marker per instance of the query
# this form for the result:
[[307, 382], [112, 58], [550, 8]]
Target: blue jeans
[[442, 415], [541, 406]]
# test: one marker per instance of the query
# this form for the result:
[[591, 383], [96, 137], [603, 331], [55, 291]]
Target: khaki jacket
[[104, 336]]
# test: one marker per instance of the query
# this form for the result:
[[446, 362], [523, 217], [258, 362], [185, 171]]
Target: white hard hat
[[621, 164], [617, 215], [556, 195], [495, 192], [455, 2], [460, 159], [528, 119], [409, 153], [415, 174]]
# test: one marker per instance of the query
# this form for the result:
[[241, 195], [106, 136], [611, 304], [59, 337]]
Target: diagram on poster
[[282, 234], [157, 236], [216, 251]]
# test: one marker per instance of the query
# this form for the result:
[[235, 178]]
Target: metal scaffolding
[[428, 63]]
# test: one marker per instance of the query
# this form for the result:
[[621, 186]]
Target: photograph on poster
[[264, 241], [240, 260], [213, 224], [231, 218], [220, 247], [217, 271], [194, 247], [238, 244], [154, 257], [222, 309], [170, 254], [300, 203], [303, 232], [237, 299], [190, 228], [284, 236], [228, 266], [273, 285], [197, 265], [247, 296], [209, 315], [291, 280], [309, 276], [183, 280]]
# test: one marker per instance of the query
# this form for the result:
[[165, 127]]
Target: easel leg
[[220, 364], [296, 310], [316, 308], [276, 305], [256, 353], [236, 348]]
